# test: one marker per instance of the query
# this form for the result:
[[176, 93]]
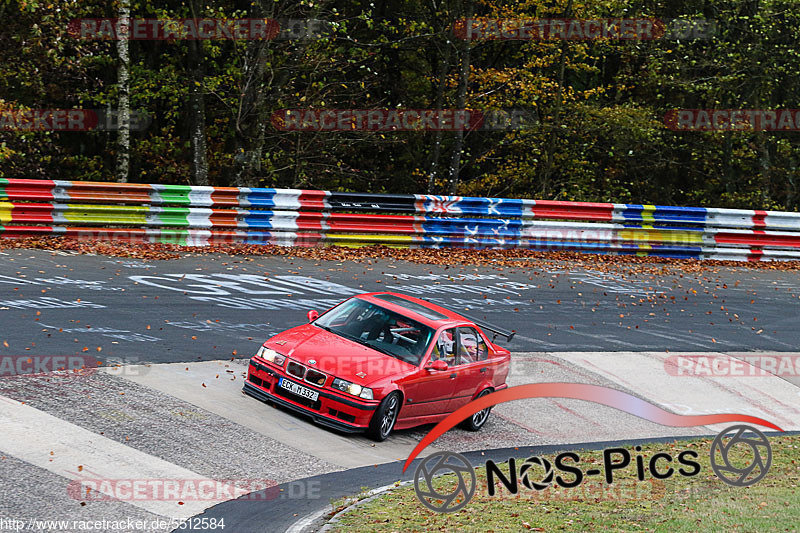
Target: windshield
[[378, 328]]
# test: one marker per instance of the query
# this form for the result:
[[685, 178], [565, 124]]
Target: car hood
[[335, 355]]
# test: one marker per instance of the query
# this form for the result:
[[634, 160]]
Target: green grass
[[677, 504]]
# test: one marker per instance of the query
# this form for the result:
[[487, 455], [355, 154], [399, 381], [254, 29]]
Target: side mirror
[[312, 316], [439, 365]]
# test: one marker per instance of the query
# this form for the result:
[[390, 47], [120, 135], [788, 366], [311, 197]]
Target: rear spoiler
[[497, 330]]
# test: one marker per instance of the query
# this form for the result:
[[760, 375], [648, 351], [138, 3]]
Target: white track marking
[[71, 451], [644, 373]]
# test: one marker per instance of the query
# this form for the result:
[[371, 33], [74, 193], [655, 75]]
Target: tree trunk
[[444, 66], [764, 169], [124, 112], [197, 109], [461, 101], [550, 149], [198, 134], [793, 197], [252, 115]]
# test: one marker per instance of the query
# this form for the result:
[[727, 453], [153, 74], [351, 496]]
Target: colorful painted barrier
[[200, 216]]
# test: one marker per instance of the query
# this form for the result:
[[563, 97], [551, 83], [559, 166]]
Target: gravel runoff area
[[146, 420]]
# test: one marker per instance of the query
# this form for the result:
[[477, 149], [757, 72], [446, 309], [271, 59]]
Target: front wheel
[[476, 421], [384, 418]]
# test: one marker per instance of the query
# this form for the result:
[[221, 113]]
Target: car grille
[[295, 369], [251, 376], [343, 416], [308, 374], [316, 378]]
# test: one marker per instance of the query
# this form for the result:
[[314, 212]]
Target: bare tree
[[550, 149], [197, 108], [444, 66], [123, 86], [251, 116], [461, 102]]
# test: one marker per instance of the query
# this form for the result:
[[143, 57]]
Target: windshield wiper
[[366, 343], [343, 334], [326, 328], [382, 350]]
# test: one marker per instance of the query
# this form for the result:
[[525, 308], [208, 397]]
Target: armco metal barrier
[[198, 216]]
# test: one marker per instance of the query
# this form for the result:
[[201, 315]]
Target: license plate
[[298, 389]]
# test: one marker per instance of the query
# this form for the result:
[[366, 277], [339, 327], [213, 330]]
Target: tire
[[476, 421], [384, 418]]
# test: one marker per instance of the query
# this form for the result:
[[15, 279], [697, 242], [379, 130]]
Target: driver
[[445, 348]]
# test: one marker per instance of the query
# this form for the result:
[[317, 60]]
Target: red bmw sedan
[[381, 361]]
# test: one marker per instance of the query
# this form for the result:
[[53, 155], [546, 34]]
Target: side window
[[471, 346], [445, 347], [483, 351]]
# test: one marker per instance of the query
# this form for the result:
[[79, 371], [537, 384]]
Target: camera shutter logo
[[527, 467], [759, 447], [445, 462]]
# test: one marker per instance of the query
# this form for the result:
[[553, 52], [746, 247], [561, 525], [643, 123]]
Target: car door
[[472, 366], [430, 391]]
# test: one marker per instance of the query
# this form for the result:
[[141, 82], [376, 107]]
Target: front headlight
[[271, 355], [346, 386], [352, 388]]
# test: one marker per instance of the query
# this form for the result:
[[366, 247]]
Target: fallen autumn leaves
[[432, 256]]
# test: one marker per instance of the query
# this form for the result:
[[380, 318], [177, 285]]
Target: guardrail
[[198, 216]]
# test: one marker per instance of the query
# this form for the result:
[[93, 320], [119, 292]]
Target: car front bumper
[[349, 415]]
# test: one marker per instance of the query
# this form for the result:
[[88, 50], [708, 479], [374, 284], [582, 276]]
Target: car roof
[[426, 312]]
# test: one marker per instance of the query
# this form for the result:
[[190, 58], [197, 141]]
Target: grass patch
[[677, 504]]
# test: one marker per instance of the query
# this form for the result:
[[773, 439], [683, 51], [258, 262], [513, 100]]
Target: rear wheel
[[476, 421], [384, 418]]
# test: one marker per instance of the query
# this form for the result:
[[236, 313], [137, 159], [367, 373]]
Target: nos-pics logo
[[537, 473]]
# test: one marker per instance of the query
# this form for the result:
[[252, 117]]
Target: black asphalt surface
[[210, 307]]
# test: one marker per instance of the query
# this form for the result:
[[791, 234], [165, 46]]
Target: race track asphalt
[[207, 307]]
